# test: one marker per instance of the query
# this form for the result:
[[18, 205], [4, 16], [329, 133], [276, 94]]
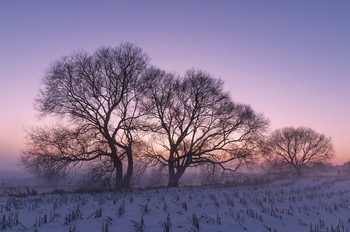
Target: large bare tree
[[195, 122], [98, 95], [297, 148]]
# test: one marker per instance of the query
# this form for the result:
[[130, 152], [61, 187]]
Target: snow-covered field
[[309, 204]]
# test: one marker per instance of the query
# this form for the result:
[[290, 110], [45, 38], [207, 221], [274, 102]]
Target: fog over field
[[311, 204]]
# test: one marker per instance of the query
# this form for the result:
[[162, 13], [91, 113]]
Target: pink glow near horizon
[[287, 60]]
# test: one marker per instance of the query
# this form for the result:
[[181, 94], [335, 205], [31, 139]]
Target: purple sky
[[287, 59]]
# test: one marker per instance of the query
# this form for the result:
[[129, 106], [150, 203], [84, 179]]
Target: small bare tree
[[99, 94], [195, 122], [297, 148]]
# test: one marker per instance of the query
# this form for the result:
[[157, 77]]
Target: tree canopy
[[297, 148], [98, 93], [114, 109], [198, 123]]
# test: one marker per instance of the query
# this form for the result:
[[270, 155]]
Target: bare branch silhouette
[[100, 92], [297, 148], [196, 122]]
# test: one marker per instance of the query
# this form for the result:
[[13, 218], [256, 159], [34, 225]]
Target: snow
[[306, 204]]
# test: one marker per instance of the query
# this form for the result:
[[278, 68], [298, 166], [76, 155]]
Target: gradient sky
[[288, 59]]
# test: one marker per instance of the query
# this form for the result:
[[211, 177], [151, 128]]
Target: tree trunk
[[119, 174], [174, 177], [129, 170], [172, 181], [298, 171]]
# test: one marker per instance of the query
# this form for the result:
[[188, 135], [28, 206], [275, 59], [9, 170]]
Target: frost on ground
[[309, 204]]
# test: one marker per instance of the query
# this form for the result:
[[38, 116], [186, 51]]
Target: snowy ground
[[309, 204]]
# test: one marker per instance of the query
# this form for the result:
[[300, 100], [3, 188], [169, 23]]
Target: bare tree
[[297, 148], [99, 95], [195, 122]]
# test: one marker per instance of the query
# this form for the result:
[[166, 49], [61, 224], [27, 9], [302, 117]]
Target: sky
[[287, 59]]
